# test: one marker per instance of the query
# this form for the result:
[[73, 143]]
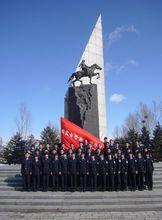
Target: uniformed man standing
[[149, 171], [64, 171], [124, 172], [36, 171], [26, 171], [141, 171], [55, 169], [83, 171], [103, 169], [72, 163], [46, 170], [118, 173], [93, 168], [111, 172], [132, 171]]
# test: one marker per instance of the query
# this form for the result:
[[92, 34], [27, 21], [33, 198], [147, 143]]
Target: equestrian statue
[[86, 71]]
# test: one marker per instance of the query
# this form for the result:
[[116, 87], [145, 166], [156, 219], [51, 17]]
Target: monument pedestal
[[81, 107]]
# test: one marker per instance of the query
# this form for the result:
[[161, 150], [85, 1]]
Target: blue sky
[[41, 43]]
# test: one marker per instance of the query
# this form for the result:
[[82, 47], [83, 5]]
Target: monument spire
[[93, 53]]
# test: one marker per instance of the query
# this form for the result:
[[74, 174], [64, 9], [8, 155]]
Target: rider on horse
[[83, 66], [86, 71]]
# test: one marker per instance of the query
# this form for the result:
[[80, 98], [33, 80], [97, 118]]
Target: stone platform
[[15, 204]]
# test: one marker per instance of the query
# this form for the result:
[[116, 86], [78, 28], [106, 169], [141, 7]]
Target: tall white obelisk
[[93, 53]]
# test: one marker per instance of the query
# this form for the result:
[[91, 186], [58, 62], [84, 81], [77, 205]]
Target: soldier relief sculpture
[[84, 94]]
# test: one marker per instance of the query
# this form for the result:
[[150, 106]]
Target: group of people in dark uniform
[[82, 168]]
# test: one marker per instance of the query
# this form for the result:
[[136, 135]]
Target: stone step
[[16, 180], [61, 196], [11, 183], [75, 196], [85, 216], [149, 215], [10, 172], [75, 202], [135, 207]]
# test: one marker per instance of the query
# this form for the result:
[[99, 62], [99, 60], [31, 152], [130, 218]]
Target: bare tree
[[149, 116], [124, 131], [146, 115], [116, 133], [157, 111], [23, 121], [132, 122]]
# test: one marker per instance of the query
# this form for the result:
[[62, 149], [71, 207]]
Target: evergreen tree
[[121, 141], [49, 135], [157, 142], [31, 141], [1, 151], [145, 137], [132, 136], [14, 150]]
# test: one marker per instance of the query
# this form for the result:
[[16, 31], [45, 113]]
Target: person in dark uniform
[[103, 170], [98, 155], [69, 153], [141, 171], [118, 172], [64, 171], [62, 152], [83, 171], [36, 171], [111, 172], [89, 154], [132, 171], [46, 149], [93, 168], [26, 171], [149, 171], [32, 152], [55, 169], [107, 150], [105, 142], [40, 148], [72, 163], [124, 172], [46, 170], [56, 148], [72, 147], [85, 146], [117, 147], [125, 149], [137, 148], [112, 146], [115, 157], [78, 154]]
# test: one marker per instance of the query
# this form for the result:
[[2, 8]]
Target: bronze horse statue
[[86, 71]]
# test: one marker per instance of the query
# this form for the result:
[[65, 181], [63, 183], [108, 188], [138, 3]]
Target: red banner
[[71, 133]]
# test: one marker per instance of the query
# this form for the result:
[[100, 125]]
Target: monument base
[[81, 107]]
